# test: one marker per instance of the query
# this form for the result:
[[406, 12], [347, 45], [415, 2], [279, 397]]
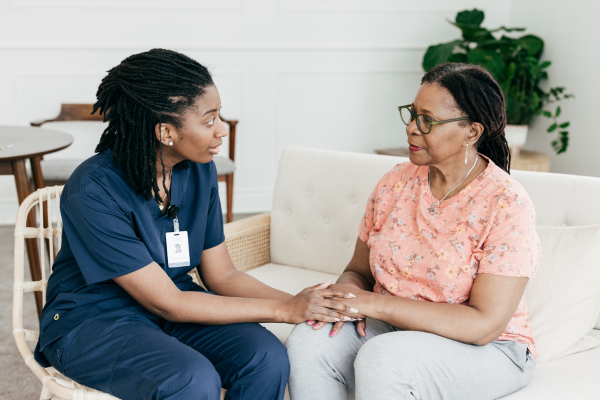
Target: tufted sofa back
[[320, 197]]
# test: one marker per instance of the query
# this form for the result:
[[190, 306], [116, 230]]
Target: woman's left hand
[[360, 302]]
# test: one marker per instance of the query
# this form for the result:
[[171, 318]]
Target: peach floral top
[[489, 227]]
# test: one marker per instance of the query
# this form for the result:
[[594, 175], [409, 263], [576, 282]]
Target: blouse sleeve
[[512, 246], [102, 238]]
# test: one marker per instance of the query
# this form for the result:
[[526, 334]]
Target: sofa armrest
[[249, 241]]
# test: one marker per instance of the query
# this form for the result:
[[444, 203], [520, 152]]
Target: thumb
[[361, 327]]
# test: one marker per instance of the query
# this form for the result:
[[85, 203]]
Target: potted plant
[[515, 63]]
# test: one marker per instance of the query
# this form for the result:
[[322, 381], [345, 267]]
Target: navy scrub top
[[110, 231]]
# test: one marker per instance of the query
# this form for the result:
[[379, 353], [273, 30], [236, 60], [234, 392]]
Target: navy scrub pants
[[141, 357]]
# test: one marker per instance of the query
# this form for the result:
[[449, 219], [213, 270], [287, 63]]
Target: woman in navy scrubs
[[123, 315]]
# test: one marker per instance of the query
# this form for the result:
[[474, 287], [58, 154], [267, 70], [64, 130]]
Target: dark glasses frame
[[430, 120]]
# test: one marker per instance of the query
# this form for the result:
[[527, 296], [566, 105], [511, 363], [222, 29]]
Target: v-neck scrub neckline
[[175, 194]]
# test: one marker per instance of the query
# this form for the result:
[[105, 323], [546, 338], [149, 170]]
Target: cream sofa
[[309, 237]]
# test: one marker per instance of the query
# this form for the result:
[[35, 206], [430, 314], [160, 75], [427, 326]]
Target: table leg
[[22, 183], [36, 171]]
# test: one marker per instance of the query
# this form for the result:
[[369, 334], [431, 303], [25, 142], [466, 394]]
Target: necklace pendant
[[161, 207], [432, 209]]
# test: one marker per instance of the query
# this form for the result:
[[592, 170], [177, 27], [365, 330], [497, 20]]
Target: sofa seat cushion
[[291, 280], [572, 377]]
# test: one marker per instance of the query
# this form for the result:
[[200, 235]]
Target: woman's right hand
[[317, 303]]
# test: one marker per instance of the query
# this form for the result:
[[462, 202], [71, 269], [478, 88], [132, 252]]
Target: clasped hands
[[327, 302]]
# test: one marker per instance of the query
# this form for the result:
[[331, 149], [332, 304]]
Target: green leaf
[[438, 54], [532, 44], [564, 133], [546, 64], [557, 112], [547, 114], [471, 33], [472, 17], [491, 61], [538, 112], [458, 58], [564, 125], [553, 127]]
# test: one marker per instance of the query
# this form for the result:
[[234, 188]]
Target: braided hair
[[480, 98], [146, 89]]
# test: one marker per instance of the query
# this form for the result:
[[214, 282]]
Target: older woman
[[444, 253]]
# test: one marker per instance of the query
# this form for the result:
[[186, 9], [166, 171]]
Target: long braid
[[146, 90], [480, 98]]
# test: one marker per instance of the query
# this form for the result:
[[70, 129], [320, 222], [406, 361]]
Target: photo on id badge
[[178, 253]]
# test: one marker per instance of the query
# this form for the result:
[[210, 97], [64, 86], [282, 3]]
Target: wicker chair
[[247, 241]]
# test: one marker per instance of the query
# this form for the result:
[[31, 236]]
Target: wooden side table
[[531, 161], [524, 161], [17, 144]]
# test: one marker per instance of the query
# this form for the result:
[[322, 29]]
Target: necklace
[[434, 205], [161, 205]]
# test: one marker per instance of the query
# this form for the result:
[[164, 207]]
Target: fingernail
[[347, 318], [353, 310], [359, 319], [364, 332], [353, 319], [332, 334], [351, 295], [337, 319], [310, 321]]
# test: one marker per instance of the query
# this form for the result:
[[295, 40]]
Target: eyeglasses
[[424, 122]]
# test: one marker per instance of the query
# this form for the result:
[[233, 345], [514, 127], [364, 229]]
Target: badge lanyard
[[178, 251]]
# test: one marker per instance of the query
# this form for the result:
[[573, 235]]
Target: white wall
[[319, 73], [571, 32]]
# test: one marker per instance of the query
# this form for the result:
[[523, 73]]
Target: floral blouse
[[489, 227]]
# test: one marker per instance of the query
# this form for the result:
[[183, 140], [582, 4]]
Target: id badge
[[178, 250]]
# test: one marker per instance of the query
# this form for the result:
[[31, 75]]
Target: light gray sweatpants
[[403, 365]]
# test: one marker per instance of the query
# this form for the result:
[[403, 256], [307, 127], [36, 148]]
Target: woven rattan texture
[[250, 249]]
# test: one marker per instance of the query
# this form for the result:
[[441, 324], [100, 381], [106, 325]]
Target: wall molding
[[223, 47], [363, 6], [129, 4]]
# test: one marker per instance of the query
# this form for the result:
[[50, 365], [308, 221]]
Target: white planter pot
[[516, 136]]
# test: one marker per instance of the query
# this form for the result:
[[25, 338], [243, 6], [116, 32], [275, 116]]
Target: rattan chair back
[[54, 385]]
